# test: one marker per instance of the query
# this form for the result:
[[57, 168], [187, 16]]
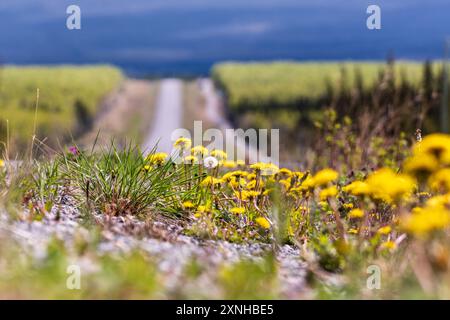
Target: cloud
[[231, 29]]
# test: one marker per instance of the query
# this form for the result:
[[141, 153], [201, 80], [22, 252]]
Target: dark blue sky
[[189, 35]]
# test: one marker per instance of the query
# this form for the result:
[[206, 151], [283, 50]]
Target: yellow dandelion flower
[[251, 185], [2, 163], [210, 180], [357, 188], [257, 166], [190, 159], [384, 230], [307, 184], [219, 154], [324, 177], [353, 231], [270, 169], [348, 206], [182, 143], [233, 178], [265, 168], [237, 210], [242, 195], [421, 164], [263, 222], [228, 176], [239, 173], [197, 215], [251, 176], [200, 151], [157, 158], [235, 182], [298, 174], [388, 186], [442, 201], [188, 205], [240, 163], [329, 192], [437, 145], [388, 245], [440, 180], [425, 221], [253, 194], [285, 171], [286, 183], [356, 214], [229, 164], [203, 209]]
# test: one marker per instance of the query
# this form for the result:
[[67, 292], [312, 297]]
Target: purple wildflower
[[73, 150]]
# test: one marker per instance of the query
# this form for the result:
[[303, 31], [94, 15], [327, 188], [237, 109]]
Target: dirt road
[[125, 115]]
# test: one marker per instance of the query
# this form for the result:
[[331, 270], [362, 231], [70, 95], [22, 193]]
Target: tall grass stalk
[[34, 124]]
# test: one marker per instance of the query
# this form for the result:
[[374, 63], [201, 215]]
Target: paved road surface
[[214, 113], [168, 115]]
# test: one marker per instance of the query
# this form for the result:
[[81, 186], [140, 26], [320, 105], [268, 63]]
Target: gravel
[[170, 249]]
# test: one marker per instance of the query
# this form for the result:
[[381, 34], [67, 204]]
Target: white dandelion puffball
[[210, 162]]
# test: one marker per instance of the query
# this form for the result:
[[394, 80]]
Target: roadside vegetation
[[374, 100], [370, 191], [125, 115], [289, 84], [395, 215], [65, 100]]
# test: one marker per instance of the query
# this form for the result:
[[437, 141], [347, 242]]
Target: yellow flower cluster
[[182, 143], [188, 205], [436, 145], [374, 209], [386, 185], [323, 177], [199, 151], [356, 214], [263, 222], [383, 184], [237, 210], [219, 154], [190, 159], [426, 220], [157, 158], [430, 163], [429, 154], [440, 180], [265, 168], [210, 181], [329, 192]]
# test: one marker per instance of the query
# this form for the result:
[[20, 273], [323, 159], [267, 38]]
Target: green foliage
[[286, 84], [250, 279], [124, 276], [68, 99]]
